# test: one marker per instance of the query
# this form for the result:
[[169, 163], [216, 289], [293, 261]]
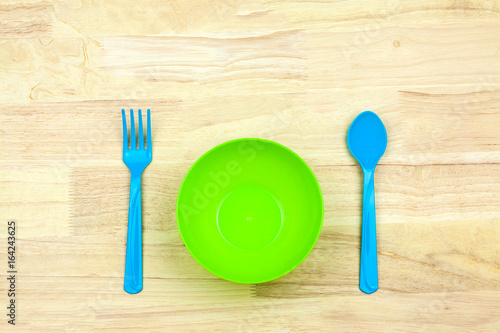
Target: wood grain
[[296, 72]]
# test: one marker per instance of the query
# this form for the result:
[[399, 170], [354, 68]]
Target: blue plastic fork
[[136, 159]]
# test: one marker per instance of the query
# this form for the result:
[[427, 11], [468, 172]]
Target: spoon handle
[[368, 275]]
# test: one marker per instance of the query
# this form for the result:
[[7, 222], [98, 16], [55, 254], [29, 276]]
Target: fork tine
[[125, 136], [132, 130], [141, 134], [150, 147]]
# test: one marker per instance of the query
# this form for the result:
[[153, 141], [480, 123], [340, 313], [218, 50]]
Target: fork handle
[[133, 260]]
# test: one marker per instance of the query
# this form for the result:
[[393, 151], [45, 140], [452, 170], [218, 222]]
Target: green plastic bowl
[[250, 210]]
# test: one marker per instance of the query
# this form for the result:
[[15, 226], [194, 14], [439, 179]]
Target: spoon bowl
[[367, 139]]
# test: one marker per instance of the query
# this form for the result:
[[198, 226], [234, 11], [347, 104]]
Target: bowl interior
[[250, 210]]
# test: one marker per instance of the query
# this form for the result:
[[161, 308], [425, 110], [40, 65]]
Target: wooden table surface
[[296, 72]]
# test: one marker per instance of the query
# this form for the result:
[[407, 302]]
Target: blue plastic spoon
[[367, 140]]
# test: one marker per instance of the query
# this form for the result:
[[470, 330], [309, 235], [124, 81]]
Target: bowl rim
[[309, 170]]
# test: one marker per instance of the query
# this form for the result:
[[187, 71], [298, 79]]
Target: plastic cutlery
[[367, 140], [136, 159]]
